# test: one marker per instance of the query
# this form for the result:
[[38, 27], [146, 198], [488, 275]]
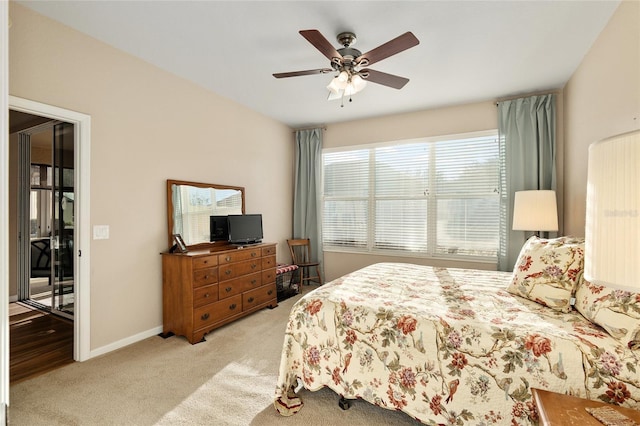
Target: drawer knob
[[254, 266], [206, 295], [253, 281], [204, 317], [232, 306], [250, 300], [270, 292], [206, 277], [228, 258], [253, 254], [228, 289], [228, 272], [205, 262]]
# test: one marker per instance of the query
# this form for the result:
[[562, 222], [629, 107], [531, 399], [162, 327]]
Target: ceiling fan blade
[[383, 78], [397, 45], [322, 44], [299, 73]]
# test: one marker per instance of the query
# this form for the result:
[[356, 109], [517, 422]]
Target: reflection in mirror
[[190, 204]]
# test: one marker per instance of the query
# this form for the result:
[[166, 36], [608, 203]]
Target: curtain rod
[[511, 98], [310, 128]]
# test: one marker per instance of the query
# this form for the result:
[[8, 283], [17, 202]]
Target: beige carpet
[[227, 380]]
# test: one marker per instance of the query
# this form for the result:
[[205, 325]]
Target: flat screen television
[[218, 230], [244, 228]]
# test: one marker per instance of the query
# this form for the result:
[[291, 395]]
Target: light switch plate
[[100, 232]]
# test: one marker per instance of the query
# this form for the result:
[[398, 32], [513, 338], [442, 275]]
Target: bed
[[458, 346]]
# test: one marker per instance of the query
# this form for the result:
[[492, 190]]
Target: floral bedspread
[[448, 346]]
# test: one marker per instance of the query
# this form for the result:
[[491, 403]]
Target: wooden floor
[[39, 342]]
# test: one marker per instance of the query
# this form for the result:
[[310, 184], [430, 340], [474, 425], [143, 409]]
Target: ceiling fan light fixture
[[339, 83], [346, 84], [356, 84]]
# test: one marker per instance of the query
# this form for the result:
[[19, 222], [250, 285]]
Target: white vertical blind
[[433, 197]]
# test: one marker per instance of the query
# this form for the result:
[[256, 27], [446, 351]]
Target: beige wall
[[443, 121], [602, 99], [147, 126]]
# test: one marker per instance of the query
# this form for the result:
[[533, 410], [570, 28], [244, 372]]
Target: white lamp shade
[[535, 211], [345, 84], [339, 83], [355, 85], [612, 234]]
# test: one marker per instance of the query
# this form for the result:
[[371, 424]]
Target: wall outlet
[[100, 232]]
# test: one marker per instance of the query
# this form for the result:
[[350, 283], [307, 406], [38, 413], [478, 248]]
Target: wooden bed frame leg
[[345, 404]]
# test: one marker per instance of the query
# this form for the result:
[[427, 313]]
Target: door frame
[[82, 248], [4, 211]]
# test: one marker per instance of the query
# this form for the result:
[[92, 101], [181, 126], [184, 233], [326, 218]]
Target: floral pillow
[[617, 311], [548, 271]]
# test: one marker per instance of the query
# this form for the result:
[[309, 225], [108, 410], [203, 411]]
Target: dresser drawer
[[258, 296], [240, 254], [205, 261], [205, 295], [268, 262], [269, 251], [237, 269], [205, 276], [268, 276], [238, 285], [217, 311]]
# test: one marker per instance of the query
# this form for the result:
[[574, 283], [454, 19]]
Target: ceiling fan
[[351, 64]]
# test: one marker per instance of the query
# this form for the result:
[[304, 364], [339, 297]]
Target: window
[[436, 197]]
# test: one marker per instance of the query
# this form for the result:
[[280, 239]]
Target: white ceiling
[[469, 50]]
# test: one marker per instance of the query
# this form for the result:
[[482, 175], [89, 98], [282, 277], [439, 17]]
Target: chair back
[[40, 254], [300, 250]]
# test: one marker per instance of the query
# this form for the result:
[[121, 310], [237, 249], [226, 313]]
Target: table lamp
[[535, 211]]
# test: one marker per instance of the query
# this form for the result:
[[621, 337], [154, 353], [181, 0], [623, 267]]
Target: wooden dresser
[[203, 290]]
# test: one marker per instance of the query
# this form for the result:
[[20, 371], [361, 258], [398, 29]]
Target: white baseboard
[[13, 298], [125, 342]]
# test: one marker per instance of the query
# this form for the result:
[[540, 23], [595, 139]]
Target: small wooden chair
[[301, 256]]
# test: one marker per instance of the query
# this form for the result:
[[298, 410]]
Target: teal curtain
[[527, 128], [307, 191]]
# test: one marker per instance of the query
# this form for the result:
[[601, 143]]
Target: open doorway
[[41, 200], [45, 214]]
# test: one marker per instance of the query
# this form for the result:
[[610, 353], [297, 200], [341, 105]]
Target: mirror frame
[[170, 219]]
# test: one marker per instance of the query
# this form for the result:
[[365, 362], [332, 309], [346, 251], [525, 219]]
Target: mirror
[[190, 204]]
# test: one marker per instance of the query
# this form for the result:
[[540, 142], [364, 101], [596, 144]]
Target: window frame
[[431, 253]]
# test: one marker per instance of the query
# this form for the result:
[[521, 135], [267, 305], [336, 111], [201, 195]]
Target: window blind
[[428, 197]]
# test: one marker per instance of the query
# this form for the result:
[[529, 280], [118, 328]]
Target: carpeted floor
[[227, 380]]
